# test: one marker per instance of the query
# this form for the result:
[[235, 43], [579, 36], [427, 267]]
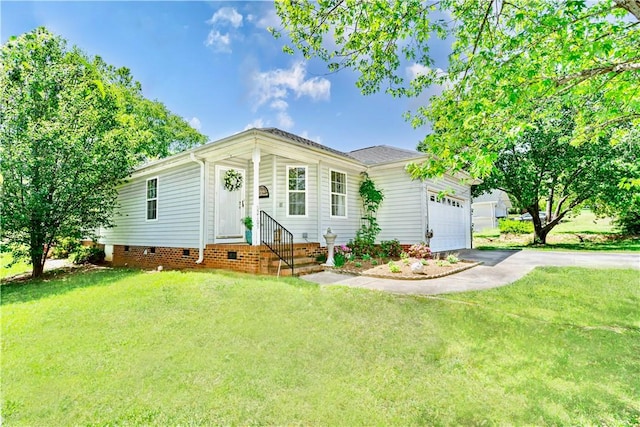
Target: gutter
[[202, 208]]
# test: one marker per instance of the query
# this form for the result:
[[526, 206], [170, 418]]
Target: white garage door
[[447, 219]]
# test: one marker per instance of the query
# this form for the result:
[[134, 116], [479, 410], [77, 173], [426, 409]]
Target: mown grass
[[586, 222], [10, 268], [583, 232], [119, 347]]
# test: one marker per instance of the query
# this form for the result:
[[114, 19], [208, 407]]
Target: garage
[[448, 218]]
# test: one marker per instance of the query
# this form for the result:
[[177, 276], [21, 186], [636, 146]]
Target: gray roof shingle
[[369, 156], [383, 154], [304, 141]]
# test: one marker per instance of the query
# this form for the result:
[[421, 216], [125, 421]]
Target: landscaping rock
[[416, 267]]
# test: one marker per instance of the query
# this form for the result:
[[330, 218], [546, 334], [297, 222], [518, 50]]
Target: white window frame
[[305, 191], [332, 193], [148, 199], [432, 196]]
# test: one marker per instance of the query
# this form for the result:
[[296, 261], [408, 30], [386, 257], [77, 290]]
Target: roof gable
[[371, 156]]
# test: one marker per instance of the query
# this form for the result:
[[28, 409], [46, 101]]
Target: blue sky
[[215, 64]]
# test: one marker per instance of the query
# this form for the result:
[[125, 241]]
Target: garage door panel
[[447, 220]]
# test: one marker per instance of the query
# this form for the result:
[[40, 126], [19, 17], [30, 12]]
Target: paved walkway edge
[[499, 268]]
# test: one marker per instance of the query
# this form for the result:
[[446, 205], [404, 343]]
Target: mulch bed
[[432, 270]]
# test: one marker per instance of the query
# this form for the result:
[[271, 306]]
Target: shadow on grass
[[57, 282], [294, 281], [621, 245], [612, 243]]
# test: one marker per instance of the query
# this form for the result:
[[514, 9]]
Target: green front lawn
[[583, 232], [119, 347], [10, 268]]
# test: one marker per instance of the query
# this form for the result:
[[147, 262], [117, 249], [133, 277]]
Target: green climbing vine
[[371, 197]]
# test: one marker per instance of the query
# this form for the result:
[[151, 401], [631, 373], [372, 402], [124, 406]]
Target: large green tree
[[510, 63], [541, 165], [71, 129]]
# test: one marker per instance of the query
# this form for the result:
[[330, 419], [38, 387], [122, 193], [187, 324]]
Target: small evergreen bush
[[515, 227], [393, 267], [452, 259], [390, 248], [64, 247], [86, 254]]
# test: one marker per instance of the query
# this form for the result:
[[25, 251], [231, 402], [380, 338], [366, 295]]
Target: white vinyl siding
[[400, 215], [152, 199], [177, 224], [345, 227], [297, 190], [338, 190], [298, 225], [404, 213]]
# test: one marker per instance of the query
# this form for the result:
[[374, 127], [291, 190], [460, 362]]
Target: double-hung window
[[338, 194], [152, 199], [297, 190]]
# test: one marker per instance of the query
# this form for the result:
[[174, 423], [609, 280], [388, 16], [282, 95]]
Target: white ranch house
[[177, 212]]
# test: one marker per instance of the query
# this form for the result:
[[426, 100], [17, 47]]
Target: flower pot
[[248, 236]]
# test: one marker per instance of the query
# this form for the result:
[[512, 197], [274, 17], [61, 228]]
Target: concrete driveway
[[499, 268]]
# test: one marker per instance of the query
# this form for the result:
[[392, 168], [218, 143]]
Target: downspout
[[202, 207]]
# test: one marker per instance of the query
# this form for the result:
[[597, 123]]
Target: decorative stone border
[[413, 276]]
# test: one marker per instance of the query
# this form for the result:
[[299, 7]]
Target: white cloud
[[415, 70], [273, 87], [226, 15], [195, 123], [278, 84], [219, 42], [279, 105], [223, 18], [284, 120], [257, 123], [270, 19]]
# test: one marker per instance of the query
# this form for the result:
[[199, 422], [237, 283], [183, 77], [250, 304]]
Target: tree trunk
[[540, 234], [38, 267], [549, 209], [540, 230], [37, 252]]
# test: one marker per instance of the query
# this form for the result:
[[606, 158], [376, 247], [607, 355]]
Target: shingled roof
[[305, 141], [383, 154]]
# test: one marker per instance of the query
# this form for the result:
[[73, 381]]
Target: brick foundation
[[248, 259]]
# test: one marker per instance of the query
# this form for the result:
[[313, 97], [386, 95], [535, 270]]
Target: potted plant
[[248, 222]]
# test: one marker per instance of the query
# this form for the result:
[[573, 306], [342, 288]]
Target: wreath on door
[[232, 180]]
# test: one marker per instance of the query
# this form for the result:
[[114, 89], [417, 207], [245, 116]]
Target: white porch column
[[255, 235]]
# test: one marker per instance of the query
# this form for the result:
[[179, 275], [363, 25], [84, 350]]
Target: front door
[[229, 203]]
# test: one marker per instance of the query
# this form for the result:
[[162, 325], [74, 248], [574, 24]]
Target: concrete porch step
[[299, 270], [296, 261], [301, 265]]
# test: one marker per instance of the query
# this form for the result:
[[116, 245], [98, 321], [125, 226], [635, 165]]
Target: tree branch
[[612, 68], [477, 40], [631, 6]]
